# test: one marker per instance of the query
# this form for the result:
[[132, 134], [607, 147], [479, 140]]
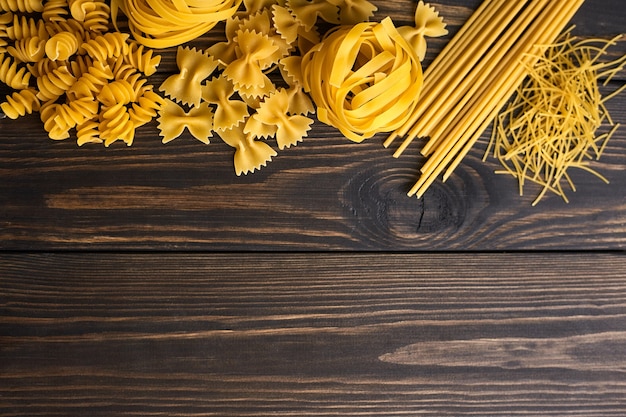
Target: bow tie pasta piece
[[285, 23], [352, 12], [250, 154], [173, 120], [308, 11], [253, 50], [186, 86], [253, 6], [226, 52], [228, 113], [427, 23], [364, 79], [290, 129]]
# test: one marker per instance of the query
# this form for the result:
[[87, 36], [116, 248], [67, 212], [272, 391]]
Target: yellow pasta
[[61, 46], [551, 124], [115, 124], [142, 58], [364, 79], [290, 129], [28, 49], [250, 155], [164, 23], [173, 120], [194, 66], [12, 74], [247, 70], [474, 76], [428, 23], [109, 45], [20, 103], [55, 11], [228, 112], [25, 6], [55, 83], [118, 91]]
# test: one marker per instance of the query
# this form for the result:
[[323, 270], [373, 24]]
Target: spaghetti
[[474, 76]]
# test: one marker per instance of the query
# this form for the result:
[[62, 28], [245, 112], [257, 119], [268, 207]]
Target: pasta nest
[[364, 79]]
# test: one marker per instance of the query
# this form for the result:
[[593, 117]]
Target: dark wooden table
[[150, 280]]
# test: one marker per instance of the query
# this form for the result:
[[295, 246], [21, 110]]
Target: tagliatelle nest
[[364, 79]]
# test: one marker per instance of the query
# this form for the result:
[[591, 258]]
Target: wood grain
[[312, 334], [324, 194]]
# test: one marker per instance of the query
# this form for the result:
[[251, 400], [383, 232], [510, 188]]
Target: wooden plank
[[324, 194], [313, 334]]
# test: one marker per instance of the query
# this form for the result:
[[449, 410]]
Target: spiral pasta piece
[[28, 49], [24, 6], [26, 27], [75, 112], [12, 75], [55, 83], [364, 79], [20, 103], [54, 10], [91, 82], [61, 46], [115, 124], [118, 91], [106, 46], [165, 23], [142, 58]]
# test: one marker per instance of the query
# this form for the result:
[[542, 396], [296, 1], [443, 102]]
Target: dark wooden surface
[[150, 280], [313, 334]]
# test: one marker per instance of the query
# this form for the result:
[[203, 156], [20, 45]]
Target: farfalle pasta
[[250, 154], [428, 23], [173, 120], [228, 112], [194, 66], [274, 111]]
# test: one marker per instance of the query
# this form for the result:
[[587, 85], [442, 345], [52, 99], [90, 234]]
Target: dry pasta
[[474, 76], [551, 124], [20, 103], [173, 120], [163, 23], [81, 78], [364, 79], [25, 6], [194, 66], [428, 23], [274, 111], [228, 112], [250, 155]]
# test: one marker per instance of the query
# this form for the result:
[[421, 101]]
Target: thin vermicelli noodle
[[552, 123]]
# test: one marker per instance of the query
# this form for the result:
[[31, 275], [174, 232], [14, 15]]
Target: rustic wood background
[[151, 280]]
